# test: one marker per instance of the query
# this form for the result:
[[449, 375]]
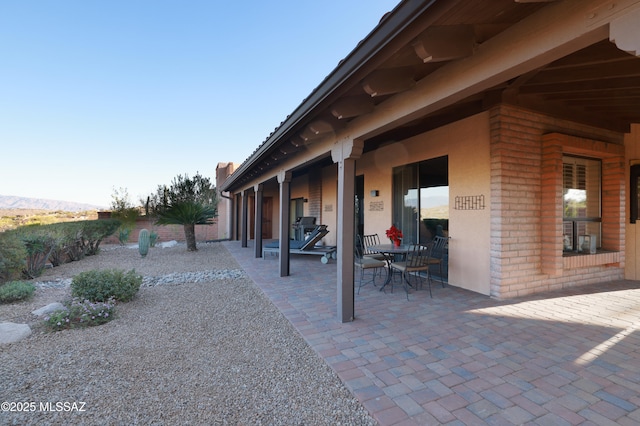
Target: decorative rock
[[168, 244], [11, 332], [51, 307]]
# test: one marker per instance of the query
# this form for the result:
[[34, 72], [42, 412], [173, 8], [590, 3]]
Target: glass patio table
[[389, 251]]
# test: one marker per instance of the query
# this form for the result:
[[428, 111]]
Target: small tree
[[125, 212], [187, 202]]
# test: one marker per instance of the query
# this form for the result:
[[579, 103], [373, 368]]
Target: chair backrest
[[439, 246], [368, 241], [417, 255], [316, 235]]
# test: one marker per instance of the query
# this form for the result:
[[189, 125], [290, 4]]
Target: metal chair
[[416, 261], [368, 241], [437, 254], [365, 241], [364, 263]]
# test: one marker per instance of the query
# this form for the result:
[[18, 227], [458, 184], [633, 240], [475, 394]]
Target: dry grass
[[14, 218]]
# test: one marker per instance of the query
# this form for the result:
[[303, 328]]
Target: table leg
[[387, 259]]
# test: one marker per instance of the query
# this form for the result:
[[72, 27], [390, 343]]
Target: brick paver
[[565, 357]]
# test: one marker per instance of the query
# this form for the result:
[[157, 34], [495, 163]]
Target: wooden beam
[[352, 107], [387, 82], [445, 43], [548, 35]]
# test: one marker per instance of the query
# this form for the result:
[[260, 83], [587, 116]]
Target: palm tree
[[188, 214]]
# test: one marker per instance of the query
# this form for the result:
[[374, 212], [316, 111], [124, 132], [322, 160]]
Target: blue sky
[[101, 95]]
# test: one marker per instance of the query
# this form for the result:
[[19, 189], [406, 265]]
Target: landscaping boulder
[[51, 307], [11, 332]]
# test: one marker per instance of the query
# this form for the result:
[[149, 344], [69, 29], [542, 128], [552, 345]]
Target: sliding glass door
[[421, 200]]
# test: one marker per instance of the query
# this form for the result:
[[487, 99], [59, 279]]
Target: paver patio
[[461, 358]]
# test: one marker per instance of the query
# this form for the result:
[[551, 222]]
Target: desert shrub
[[15, 291], [81, 313], [123, 235], [68, 246], [100, 286], [94, 231], [57, 256], [12, 256], [38, 244]]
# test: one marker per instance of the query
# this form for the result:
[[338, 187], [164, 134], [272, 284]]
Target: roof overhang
[[420, 42]]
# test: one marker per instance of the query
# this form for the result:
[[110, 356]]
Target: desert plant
[[39, 244], [153, 238], [123, 235], [143, 242], [187, 202], [101, 285], [94, 231], [14, 291], [12, 256], [68, 246], [81, 313], [188, 214]]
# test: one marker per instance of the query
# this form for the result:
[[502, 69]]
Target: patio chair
[[306, 246], [416, 261], [368, 241], [437, 254], [366, 263]]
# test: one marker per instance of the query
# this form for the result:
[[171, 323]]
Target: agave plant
[[188, 214]]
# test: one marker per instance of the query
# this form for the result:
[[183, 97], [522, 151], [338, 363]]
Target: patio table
[[389, 251]]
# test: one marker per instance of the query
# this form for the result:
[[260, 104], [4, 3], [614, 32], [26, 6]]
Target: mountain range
[[15, 202]]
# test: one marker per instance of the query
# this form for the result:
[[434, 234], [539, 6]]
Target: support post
[[345, 154], [258, 220], [284, 179], [244, 217]]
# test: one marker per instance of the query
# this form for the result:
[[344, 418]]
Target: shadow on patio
[[463, 358]]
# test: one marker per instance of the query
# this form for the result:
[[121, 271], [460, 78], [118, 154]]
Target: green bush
[[94, 231], [68, 246], [99, 286], [14, 291], [39, 244], [12, 256], [123, 235], [81, 313]]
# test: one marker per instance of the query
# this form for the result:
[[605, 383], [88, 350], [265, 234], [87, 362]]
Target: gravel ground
[[215, 352]]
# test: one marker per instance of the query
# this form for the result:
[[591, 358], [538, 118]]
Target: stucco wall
[[466, 143]]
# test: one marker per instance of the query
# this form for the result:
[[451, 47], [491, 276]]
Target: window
[[581, 203], [634, 207]]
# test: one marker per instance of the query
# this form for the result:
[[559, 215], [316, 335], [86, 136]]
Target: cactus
[[153, 237], [143, 242]]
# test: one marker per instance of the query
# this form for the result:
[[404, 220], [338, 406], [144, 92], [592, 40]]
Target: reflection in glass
[[581, 201]]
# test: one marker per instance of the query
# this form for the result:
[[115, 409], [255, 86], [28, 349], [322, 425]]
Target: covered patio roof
[[597, 83]]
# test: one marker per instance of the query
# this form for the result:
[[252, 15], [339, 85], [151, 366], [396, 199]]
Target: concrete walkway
[[562, 358]]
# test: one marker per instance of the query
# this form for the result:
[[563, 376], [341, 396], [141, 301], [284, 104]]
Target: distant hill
[[14, 202]]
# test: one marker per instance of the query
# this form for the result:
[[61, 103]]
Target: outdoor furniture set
[[410, 260]]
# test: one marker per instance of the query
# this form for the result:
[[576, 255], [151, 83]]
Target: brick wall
[[315, 194], [168, 232], [526, 253]]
